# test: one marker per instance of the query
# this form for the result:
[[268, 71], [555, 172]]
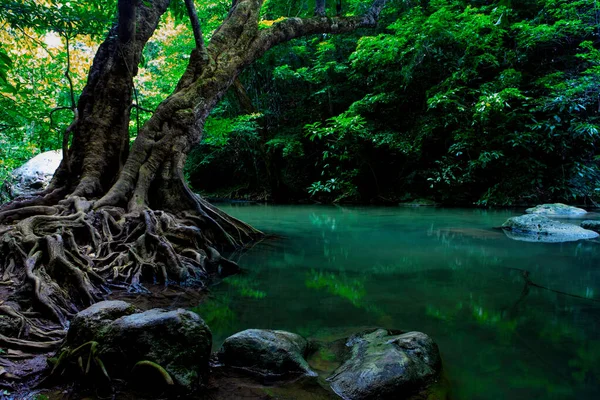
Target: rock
[[178, 341], [556, 209], [87, 323], [591, 225], [31, 177], [384, 365], [537, 228], [266, 353]]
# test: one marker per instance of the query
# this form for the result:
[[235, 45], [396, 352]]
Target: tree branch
[[133, 105], [67, 132], [126, 26], [68, 75], [291, 28], [228, 34], [189, 4]]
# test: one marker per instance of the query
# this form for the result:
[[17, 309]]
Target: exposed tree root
[[152, 365], [57, 260]]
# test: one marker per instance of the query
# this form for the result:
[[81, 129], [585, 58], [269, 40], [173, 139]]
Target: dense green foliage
[[485, 102], [464, 102], [37, 71]]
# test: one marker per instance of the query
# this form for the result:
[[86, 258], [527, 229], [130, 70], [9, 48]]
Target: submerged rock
[[591, 225], [556, 209], [384, 365], [178, 341], [538, 228], [266, 353], [31, 177]]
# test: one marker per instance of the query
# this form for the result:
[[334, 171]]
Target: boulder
[[557, 210], [591, 225], [87, 323], [538, 228], [266, 353], [178, 341], [386, 365], [31, 177]]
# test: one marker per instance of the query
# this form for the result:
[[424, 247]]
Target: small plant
[[79, 356], [323, 187]]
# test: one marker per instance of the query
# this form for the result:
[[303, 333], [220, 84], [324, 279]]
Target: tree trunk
[[101, 130], [117, 219]]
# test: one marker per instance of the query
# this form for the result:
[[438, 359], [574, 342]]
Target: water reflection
[[352, 290], [513, 319]]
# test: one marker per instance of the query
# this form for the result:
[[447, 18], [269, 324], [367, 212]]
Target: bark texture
[[115, 218], [100, 133]]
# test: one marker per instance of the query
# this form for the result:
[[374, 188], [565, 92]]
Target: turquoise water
[[441, 271]]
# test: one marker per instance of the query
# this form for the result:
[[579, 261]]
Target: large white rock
[[538, 228], [556, 210], [31, 177]]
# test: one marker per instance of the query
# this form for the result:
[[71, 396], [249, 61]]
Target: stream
[[444, 272]]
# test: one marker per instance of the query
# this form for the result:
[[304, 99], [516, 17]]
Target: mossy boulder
[[386, 365], [538, 228], [557, 210], [266, 353], [591, 225], [178, 340], [87, 323]]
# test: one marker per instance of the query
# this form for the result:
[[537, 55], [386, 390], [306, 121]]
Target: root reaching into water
[[57, 260]]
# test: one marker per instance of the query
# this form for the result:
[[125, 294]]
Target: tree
[[114, 216]]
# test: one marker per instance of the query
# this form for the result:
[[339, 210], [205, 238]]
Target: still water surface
[[441, 271]]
